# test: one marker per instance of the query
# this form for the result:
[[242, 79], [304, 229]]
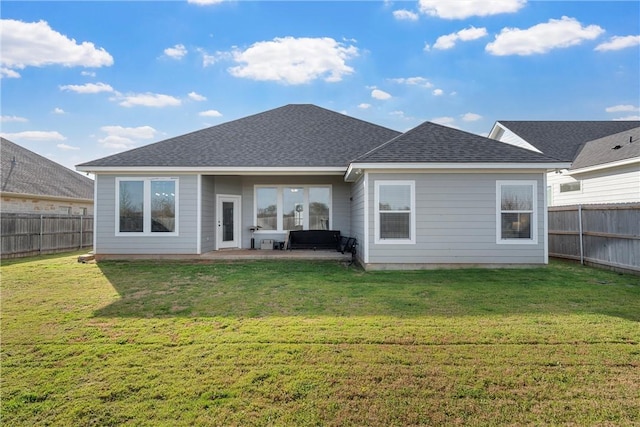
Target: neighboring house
[[431, 196], [31, 183], [605, 157]]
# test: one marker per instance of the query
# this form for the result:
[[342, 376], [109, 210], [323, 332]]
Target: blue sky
[[85, 79]]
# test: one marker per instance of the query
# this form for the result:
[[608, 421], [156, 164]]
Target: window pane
[[394, 225], [516, 226], [131, 206], [293, 208], [319, 208], [267, 208], [163, 206], [517, 198], [570, 186], [395, 197]]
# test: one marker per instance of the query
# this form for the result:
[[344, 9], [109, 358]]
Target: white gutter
[[602, 166], [357, 168], [227, 170]]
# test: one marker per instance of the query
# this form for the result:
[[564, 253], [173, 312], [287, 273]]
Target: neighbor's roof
[[31, 173], [289, 136], [621, 146], [433, 143], [563, 139]]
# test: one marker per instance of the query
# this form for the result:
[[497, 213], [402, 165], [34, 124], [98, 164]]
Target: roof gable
[[26, 172], [433, 143], [289, 136], [563, 139]]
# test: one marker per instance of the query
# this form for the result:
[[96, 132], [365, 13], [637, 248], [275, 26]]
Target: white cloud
[[620, 108], [140, 132], [380, 94], [5, 119], [35, 135], [196, 96], [148, 100], [427, 47], [176, 52], [541, 38], [438, 92], [405, 15], [471, 117], [6, 73], [364, 106], [36, 44], [635, 118], [448, 41], [88, 88], [211, 58], [294, 61], [619, 42], [210, 113], [66, 147], [459, 9], [88, 73], [413, 81], [120, 137], [204, 2], [397, 113], [58, 110], [445, 121]]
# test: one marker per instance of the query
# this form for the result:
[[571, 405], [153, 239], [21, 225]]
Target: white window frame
[[146, 195], [280, 203], [533, 240], [412, 217]]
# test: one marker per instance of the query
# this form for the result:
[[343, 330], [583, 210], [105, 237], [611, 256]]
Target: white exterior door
[[228, 222]]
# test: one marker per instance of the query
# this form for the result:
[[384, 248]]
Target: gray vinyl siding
[[456, 221], [208, 215], [357, 212], [107, 242]]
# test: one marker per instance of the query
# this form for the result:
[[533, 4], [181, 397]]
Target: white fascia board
[[354, 168], [593, 168], [232, 170]]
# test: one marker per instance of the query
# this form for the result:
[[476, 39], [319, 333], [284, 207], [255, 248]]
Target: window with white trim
[[146, 206], [394, 219], [516, 220], [285, 208]]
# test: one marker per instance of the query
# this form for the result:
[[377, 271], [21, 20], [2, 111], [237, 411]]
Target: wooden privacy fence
[[33, 234], [607, 235]]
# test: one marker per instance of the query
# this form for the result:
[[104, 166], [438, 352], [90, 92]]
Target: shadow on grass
[[254, 289]]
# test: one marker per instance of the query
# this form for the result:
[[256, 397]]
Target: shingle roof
[[289, 136], [613, 148], [433, 143], [563, 139], [34, 174]]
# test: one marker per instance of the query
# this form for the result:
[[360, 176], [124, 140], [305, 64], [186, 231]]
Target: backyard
[[316, 343]]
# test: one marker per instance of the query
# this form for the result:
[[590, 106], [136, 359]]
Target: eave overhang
[[217, 170], [356, 169]]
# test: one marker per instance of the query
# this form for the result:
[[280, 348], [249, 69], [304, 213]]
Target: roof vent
[[617, 147]]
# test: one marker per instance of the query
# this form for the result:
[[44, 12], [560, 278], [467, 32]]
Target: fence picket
[[607, 235], [31, 234]]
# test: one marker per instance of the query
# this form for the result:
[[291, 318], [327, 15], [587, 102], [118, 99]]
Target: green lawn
[[316, 343]]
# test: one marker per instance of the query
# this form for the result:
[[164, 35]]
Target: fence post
[[581, 234], [81, 227], [40, 244]]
